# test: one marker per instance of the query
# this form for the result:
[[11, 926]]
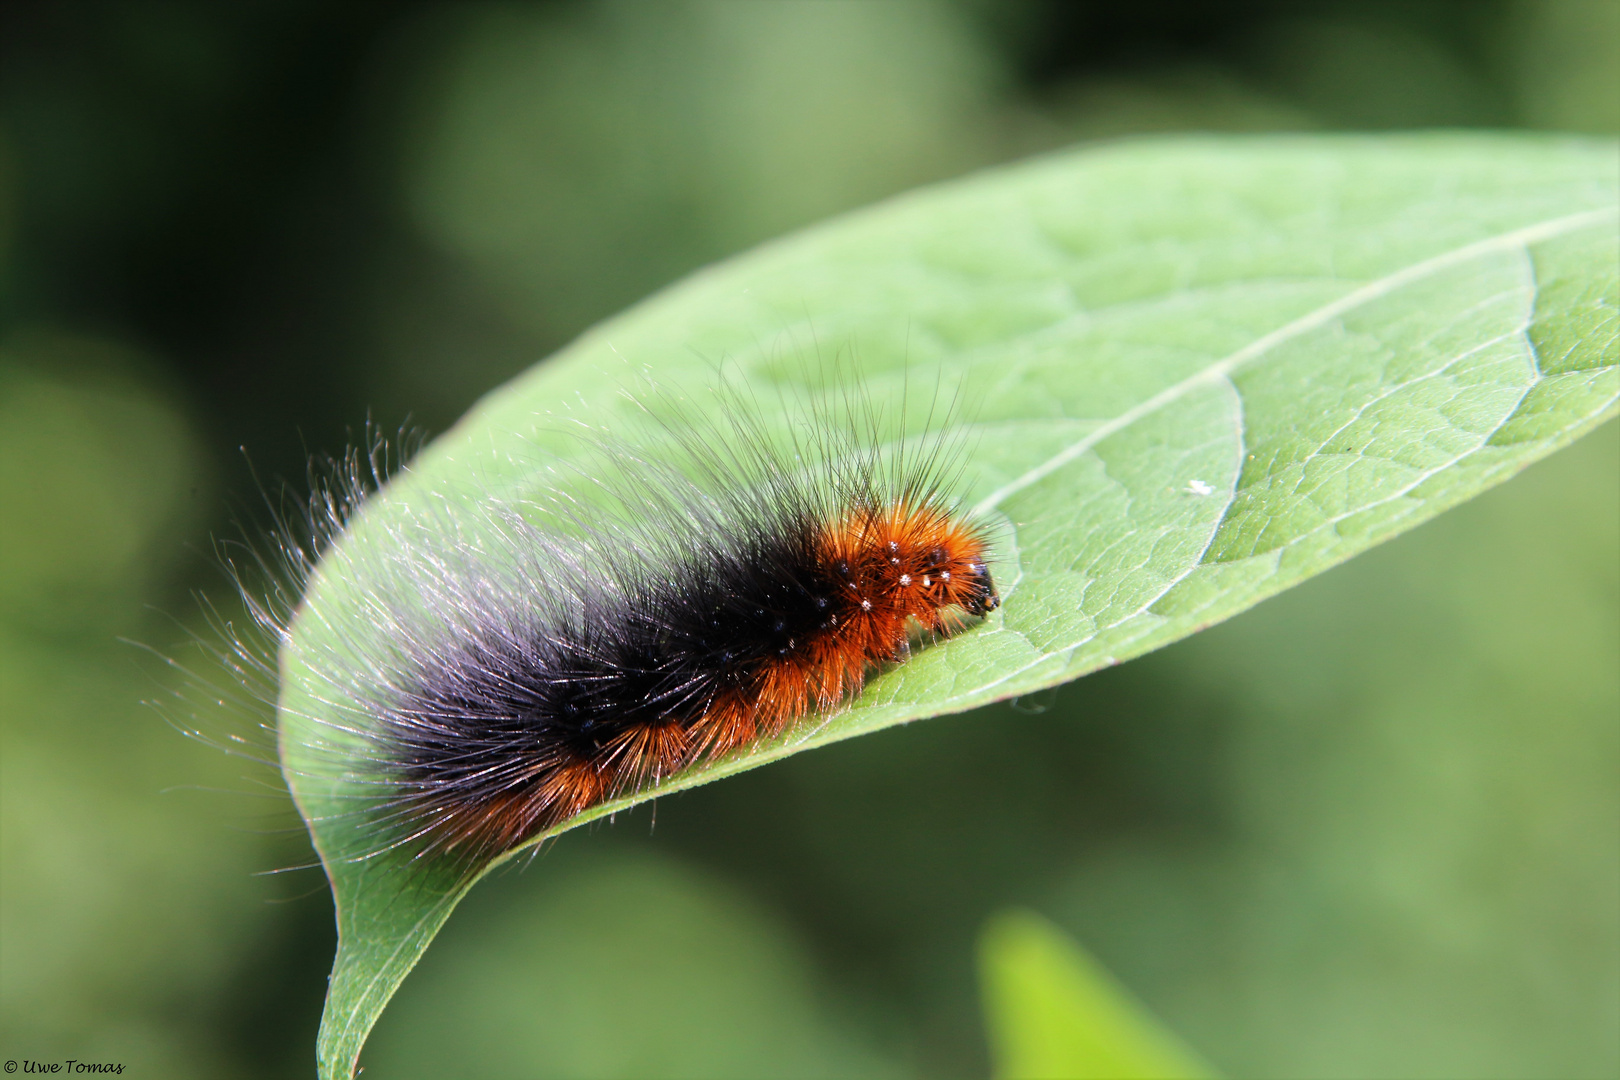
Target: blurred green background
[[1371, 828]]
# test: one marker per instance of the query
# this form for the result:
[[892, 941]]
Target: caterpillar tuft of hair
[[683, 598]]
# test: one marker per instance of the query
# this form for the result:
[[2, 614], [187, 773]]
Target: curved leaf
[[1197, 371], [1053, 1010]]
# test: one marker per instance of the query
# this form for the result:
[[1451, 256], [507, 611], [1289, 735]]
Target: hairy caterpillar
[[682, 596]]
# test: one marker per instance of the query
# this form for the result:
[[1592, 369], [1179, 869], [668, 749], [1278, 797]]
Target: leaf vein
[[1373, 290]]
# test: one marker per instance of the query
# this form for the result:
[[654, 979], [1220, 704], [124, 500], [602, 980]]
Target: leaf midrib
[[1223, 368]]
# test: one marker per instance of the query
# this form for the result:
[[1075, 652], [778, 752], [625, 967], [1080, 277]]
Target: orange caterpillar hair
[[559, 671]]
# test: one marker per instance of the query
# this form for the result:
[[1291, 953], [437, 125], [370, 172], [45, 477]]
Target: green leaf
[[1196, 371], [1054, 1013]]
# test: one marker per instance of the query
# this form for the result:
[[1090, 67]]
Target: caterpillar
[[683, 596]]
